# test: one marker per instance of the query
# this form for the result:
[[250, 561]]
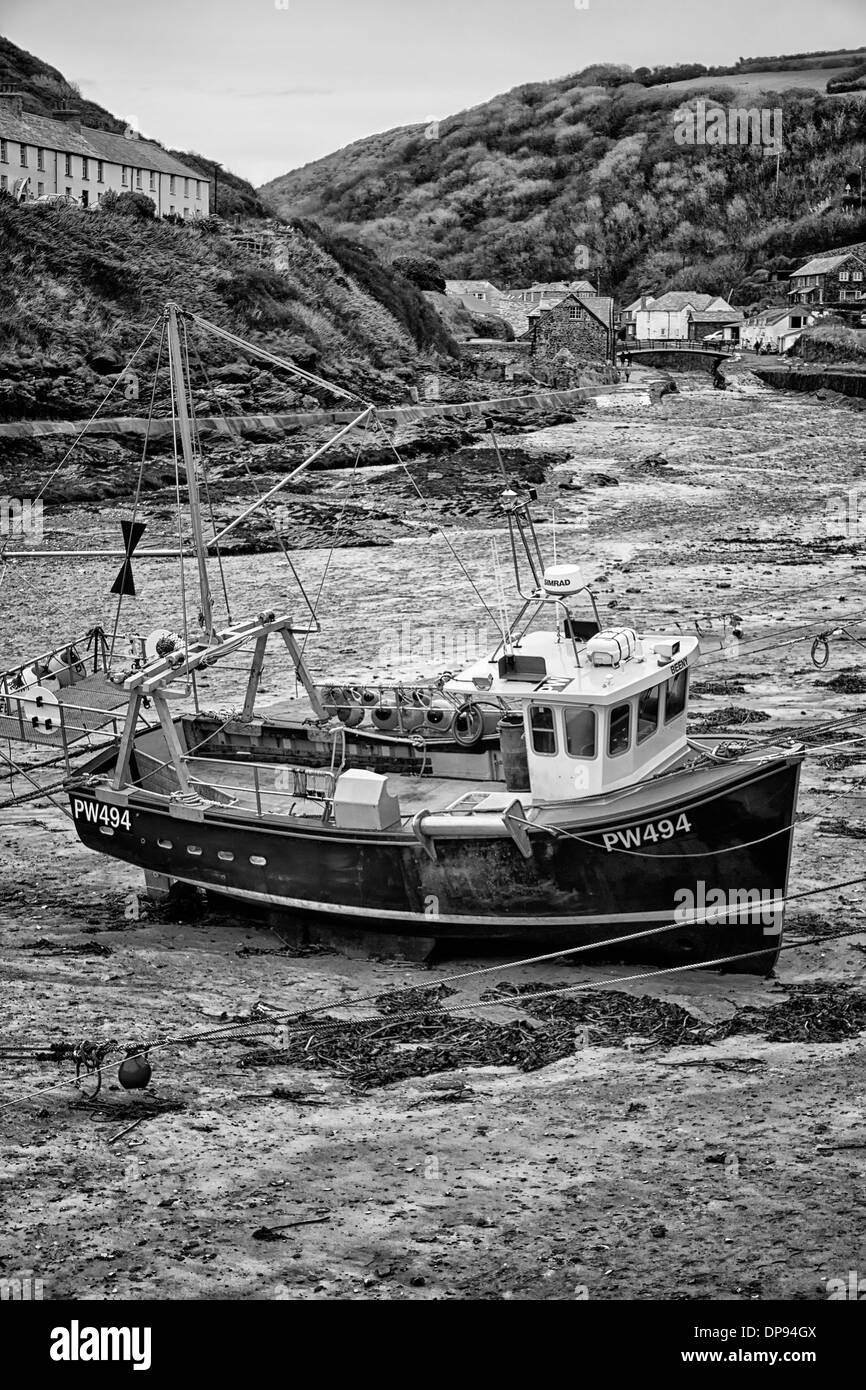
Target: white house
[[41, 157], [669, 316], [483, 291], [776, 329]]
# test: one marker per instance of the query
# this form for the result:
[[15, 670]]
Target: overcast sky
[[264, 88]]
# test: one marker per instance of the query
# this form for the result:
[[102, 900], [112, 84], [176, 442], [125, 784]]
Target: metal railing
[[674, 345]]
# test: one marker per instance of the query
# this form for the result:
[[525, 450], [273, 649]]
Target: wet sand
[[728, 1171]]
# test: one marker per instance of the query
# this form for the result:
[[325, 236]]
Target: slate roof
[[823, 265], [48, 134], [599, 305], [717, 316], [468, 286], [676, 300]]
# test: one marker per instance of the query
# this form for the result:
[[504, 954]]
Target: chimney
[[12, 102], [70, 118]]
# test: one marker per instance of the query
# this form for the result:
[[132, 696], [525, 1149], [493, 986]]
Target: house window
[[100, 171], [85, 168], [573, 311], [186, 195], [40, 159], [124, 175], [40, 189], [23, 156], [152, 182], [68, 192], [580, 732], [4, 182], [620, 730], [4, 152], [138, 178], [171, 184], [187, 213], [856, 274], [844, 275], [67, 166], [675, 696], [648, 711], [171, 210], [542, 729], [198, 188]]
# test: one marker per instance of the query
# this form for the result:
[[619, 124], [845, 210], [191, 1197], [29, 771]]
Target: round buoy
[[385, 717], [134, 1072], [439, 718]]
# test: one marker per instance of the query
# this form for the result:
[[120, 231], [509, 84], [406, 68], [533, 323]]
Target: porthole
[[193, 849], [165, 844], [226, 855], [258, 860], [106, 830]]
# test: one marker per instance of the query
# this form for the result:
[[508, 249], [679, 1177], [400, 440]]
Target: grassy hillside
[[78, 290], [509, 188], [46, 90]]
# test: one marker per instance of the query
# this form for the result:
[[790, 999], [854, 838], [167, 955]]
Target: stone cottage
[[581, 325]]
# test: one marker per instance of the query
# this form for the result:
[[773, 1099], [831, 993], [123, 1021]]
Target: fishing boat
[[548, 794]]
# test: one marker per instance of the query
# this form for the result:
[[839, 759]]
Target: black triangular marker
[[132, 534]]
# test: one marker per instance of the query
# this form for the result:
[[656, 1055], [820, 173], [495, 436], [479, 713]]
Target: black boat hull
[[617, 879]]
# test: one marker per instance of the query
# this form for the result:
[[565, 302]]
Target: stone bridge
[[691, 357]]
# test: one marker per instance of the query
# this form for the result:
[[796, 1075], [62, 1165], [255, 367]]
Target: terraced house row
[[43, 157]]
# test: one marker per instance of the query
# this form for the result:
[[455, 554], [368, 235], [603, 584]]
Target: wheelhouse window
[[648, 712], [619, 737], [580, 732], [543, 729], [676, 690]]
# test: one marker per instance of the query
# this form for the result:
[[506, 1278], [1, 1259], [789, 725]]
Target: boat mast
[[179, 387]]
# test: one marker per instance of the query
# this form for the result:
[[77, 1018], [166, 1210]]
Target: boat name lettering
[[100, 813], [636, 835], [677, 666]]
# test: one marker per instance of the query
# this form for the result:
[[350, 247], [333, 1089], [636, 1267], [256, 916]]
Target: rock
[[105, 360]]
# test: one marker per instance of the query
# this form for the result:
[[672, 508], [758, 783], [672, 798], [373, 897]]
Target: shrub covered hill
[[509, 189], [79, 289]]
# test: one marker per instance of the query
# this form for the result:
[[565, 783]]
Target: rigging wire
[[440, 529], [280, 542], [136, 498]]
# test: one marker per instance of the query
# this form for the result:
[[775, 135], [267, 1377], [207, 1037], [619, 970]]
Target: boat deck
[[91, 705], [276, 790]]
